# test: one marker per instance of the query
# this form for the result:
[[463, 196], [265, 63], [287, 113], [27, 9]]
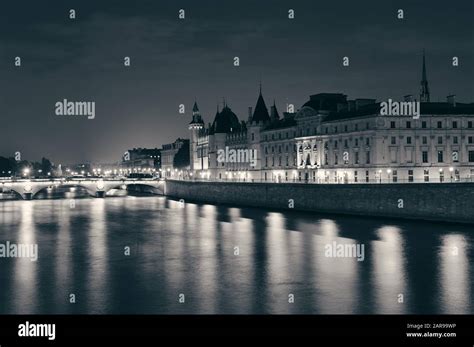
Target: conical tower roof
[[261, 112]]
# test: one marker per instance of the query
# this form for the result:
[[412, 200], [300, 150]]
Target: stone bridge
[[98, 187]]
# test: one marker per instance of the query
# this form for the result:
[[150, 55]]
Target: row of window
[[424, 158], [424, 124], [307, 132], [280, 136], [336, 144], [393, 125], [393, 141], [424, 140], [287, 161], [279, 147]]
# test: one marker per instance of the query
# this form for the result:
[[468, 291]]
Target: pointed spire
[[424, 89], [274, 112], [260, 91], [195, 107], [260, 113], [423, 74]]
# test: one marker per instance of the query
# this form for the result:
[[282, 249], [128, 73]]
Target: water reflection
[[389, 274], [336, 276], [454, 277], [63, 253], [97, 254], [226, 260], [24, 270]]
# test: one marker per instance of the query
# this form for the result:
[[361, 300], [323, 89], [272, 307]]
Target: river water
[[204, 259]]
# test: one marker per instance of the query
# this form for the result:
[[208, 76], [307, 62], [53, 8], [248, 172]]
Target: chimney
[[250, 113], [451, 100], [408, 97]]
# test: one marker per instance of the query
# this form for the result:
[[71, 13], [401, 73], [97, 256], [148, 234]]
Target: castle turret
[[195, 127]]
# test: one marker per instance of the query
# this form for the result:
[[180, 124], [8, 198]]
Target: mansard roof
[[366, 110], [426, 108], [325, 101], [286, 122], [446, 108]]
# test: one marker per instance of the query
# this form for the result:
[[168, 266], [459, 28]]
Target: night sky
[[177, 61]]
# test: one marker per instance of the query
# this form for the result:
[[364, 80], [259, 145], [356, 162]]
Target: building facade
[[331, 139], [175, 158], [142, 159]]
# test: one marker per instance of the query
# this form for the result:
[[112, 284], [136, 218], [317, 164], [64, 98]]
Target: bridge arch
[[157, 188], [18, 192], [39, 189]]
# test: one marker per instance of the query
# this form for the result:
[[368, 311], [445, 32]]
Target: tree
[[7, 165], [46, 166]]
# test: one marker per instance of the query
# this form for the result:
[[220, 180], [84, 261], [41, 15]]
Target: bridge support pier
[[100, 194], [27, 196]]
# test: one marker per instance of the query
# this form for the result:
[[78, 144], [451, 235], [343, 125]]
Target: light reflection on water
[[226, 260], [454, 278]]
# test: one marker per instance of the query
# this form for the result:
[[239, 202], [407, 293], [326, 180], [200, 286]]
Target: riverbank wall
[[450, 202]]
